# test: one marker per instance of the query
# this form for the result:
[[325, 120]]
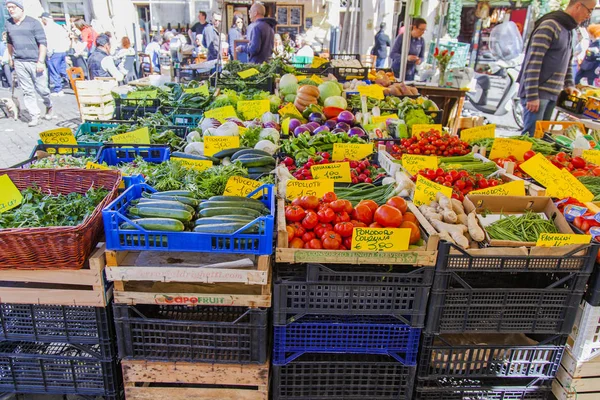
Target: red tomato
[[296, 243], [585, 225], [375, 225], [308, 236], [294, 213], [331, 240], [363, 213], [315, 244], [415, 233], [388, 216], [344, 229], [348, 206], [310, 220], [326, 215], [577, 222], [528, 155], [296, 202], [309, 202], [399, 203], [358, 224], [341, 216], [371, 204], [347, 242], [291, 232], [578, 162], [329, 197], [337, 205]]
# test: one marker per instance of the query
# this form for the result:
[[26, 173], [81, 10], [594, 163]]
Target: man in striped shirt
[[546, 70]]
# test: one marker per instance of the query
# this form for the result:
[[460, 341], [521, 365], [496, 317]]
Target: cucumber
[[179, 154], [226, 228], [235, 198], [214, 212], [249, 151], [257, 161], [229, 152], [173, 205], [224, 219], [185, 193], [259, 170], [156, 224], [145, 211], [182, 199], [233, 204]]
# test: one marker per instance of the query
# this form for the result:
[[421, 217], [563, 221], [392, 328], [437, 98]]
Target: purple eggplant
[[346, 116], [356, 131], [301, 129], [338, 130], [322, 128], [316, 117], [294, 123], [330, 123], [343, 125]]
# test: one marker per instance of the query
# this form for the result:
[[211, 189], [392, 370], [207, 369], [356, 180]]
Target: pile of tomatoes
[[575, 165], [328, 222], [432, 143], [461, 182]]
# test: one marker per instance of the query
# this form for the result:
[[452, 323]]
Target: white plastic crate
[[386, 161], [584, 340]]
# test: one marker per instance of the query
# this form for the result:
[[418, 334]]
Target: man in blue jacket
[[260, 34], [382, 42]]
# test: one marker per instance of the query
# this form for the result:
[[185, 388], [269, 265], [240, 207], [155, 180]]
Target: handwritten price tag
[[10, 195], [248, 73], [426, 191], [506, 147], [569, 186], [203, 89], [351, 151], [316, 79], [238, 186], [199, 165], [542, 170], [58, 136], [380, 239], [221, 113], [285, 126], [214, 144], [561, 239], [413, 163], [479, 132], [290, 110], [318, 61], [93, 165], [383, 118], [514, 188], [314, 187], [372, 91], [139, 136], [417, 129], [339, 172], [591, 156], [251, 109]]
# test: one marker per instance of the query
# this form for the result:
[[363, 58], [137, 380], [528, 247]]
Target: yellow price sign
[[417, 129], [61, 136], [372, 91], [514, 188], [314, 187], [93, 165], [316, 79], [562, 239], [414, 163], [138, 136], [339, 172], [250, 109], [239, 186], [351, 151], [285, 126], [291, 110], [10, 195], [569, 186], [318, 61], [203, 89], [426, 191], [542, 170], [380, 239], [383, 118], [221, 113], [504, 147], [199, 165], [479, 132], [214, 144], [591, 156], [248, 73], [143, 94]]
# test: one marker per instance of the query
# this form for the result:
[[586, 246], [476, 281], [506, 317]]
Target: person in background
[[547, 68], [78, 53], [88, 34], [101, 63], [153, 50], [27, 46], [590, 67], [198, 27], [260, 34], [198, 49], [236, 32], [303, 49], [416, 50], [123, 51], [166, 45], [113, 42], [277, 45], [379, 50], [58, 45], [211, 39], [5, 71]]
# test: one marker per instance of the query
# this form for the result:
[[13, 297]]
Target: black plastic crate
[[349, 73], [571, 103], [313, 289], [592, 293], [196, 334], [342, 56], [476, 356], [127, 109], [343, 376], [483, 389], [56, 368], [267, 84], [504, 302], [453, 258]]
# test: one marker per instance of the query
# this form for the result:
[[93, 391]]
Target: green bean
[[524, 228]]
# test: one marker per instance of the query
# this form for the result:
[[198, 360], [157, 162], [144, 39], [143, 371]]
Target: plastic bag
[[506, 42]]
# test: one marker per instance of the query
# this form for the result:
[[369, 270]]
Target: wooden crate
[[147, 380], [422, 256], [83, 287], [94, 98], [155, 277], [98, 86], [577, 380]]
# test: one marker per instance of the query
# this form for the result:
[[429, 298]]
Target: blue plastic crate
[[118, 154], [346, 334], [141, 239]]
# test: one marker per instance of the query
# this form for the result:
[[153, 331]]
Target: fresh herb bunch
[[62, 161]]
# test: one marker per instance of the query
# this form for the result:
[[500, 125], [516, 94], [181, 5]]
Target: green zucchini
[[155, 212], [182, 199], [179, 154], [257, 161], [234, 198], [259, 170], [185, 193], [224, 219], [173, 205], [233, 204], [156, 224], [213, 212], [249, 151], [227, 228], [228, 152]]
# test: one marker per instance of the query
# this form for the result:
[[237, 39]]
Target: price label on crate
[[314, 187], [143, 94], [221, 113], [351, 151], [477, 133], [383, 118], [514, 188], [591, 156], [138, 136], [251, 109], [426, 191], [248, 73], [60, 136], [214, 144], [316, 79], [542, 170], [372, 91], [199, 165], [202, 89], [238, 186], [10, 195], [290, 110], [504, 147], [339, 172], [569, 186], [561, 239], [380, 239], [93, 165], [417, 129], [318, 61], [414, 163]]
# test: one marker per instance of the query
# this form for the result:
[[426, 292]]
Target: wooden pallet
[[148, 380], [577, 380], [155, 277], [83, 287]]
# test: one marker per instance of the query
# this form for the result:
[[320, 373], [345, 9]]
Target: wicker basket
[[66, 247]]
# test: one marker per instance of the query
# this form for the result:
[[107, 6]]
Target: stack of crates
[[498, 322], [95, 99]]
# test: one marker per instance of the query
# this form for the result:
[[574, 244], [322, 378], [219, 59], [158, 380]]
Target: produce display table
[[448, 99], [589, 123]]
